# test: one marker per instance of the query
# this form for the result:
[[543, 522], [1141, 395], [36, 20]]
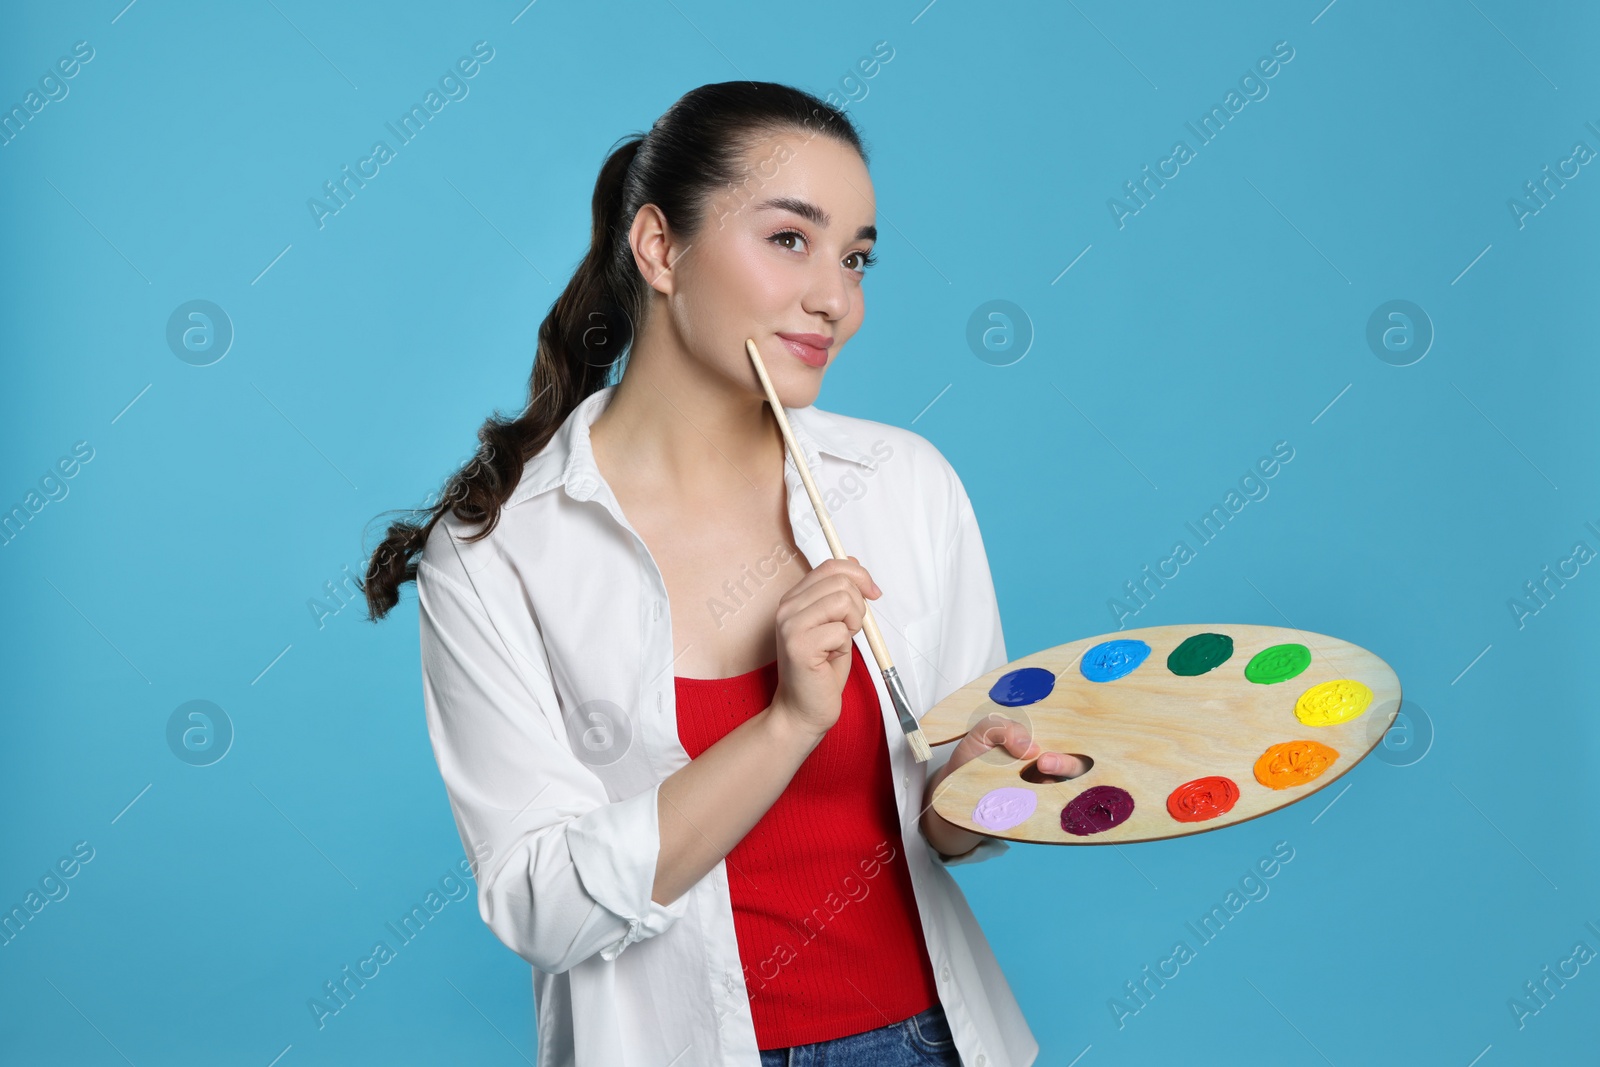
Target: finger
[[822, 644], [871, 589], [986, 733], [851, 568], [1061, 764], [825, 591], [992, 731], [1018, 740], [834, 592], [842, 605], [803, 591], [998, 731]]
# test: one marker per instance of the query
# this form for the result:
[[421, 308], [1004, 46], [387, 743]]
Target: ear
[[655, 249]]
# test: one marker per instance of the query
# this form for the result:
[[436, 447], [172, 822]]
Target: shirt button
[[981, 1061], [905, 780], [946, 974]]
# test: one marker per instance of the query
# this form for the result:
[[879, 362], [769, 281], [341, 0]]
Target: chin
[[794, 392], [806, 395]]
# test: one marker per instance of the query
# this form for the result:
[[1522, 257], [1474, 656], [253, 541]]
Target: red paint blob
[[1100, 807], [1202, 799]]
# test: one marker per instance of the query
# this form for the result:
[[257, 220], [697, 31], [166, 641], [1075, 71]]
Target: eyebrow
[[811, 212]]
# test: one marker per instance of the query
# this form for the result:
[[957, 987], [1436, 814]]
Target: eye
[[782, 234], [867, 258]]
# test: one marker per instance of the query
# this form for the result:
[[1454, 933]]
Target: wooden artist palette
[[1190, 728]]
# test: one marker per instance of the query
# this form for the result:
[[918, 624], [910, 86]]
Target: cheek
[[759, 278], [728, 289], [738, 285]]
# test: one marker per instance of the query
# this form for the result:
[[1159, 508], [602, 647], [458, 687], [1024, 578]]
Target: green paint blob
[[1277, 664], [1199, 654]]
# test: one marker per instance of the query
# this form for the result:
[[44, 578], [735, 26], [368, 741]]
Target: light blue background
[[1225, 316]]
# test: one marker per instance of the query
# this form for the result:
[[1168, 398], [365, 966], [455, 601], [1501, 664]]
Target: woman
[[662, 734]]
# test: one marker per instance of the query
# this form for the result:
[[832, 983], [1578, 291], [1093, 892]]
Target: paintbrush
[[880, 651]]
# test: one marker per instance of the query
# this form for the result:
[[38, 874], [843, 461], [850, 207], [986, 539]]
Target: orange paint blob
[[1202, 799], [1293, 763]]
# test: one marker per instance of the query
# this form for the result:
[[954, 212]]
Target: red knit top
[[827, 923]]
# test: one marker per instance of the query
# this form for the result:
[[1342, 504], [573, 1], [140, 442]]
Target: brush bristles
[[919, 745]]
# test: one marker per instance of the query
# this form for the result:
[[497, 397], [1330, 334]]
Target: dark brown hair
[[692, 151]]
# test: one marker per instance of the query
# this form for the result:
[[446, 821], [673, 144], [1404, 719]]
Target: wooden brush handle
[[880, 651]]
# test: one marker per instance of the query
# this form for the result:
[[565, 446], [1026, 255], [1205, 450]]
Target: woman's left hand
[[994, 731]]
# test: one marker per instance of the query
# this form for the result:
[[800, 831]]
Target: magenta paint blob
[[1098, 808]]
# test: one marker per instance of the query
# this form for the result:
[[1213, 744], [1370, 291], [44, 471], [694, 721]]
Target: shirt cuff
[[615, 848], [987, 848]]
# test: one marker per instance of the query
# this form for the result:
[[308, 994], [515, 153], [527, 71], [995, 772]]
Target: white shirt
[[547, 668]]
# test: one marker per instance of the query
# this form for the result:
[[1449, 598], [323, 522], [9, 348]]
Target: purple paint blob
[[1100, 807], [1003, 808]]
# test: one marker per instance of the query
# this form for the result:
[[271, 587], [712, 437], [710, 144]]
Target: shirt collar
[[568, 460]]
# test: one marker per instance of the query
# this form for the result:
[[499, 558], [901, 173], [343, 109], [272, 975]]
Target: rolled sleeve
[[615, 848], [972, 642], [566, 872]]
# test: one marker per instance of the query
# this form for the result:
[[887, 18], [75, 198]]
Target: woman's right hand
[[817, 621]]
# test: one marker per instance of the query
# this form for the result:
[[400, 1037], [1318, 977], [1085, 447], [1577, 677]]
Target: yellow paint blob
[[1331, 703]]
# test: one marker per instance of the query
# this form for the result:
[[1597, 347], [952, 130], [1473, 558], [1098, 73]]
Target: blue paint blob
[[1110, 660], [1026, 685]]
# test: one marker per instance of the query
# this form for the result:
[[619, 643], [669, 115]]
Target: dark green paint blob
[[1199, 654], [1278, 663]]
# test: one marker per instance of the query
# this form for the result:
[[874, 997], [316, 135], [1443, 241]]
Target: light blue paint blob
[[1026, 685], [1110, 660]]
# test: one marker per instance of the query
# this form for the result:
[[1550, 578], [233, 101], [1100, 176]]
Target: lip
[[810, 348]]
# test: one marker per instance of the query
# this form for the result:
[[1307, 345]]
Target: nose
[[828, 294]]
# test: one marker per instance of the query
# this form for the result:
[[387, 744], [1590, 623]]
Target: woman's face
[[780, 259]]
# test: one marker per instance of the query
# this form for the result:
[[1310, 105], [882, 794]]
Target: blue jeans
[[923, 1040]]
